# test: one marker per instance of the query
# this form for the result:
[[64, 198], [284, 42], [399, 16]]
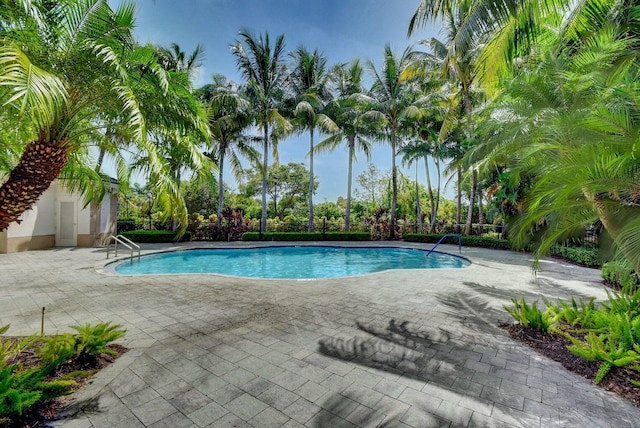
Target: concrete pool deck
[[406, 348]]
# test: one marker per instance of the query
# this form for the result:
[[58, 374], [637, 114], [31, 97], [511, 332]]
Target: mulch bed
[[40, 414], [554, 346]]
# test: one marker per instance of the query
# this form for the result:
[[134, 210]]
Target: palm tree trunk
[[310, 228], [347, 216], [39, 165], [265, 164], [418, 211], [220, 192], [431, 198], [459, 201], [474, 175], [432, 228], [394, 184], [472, 201], [94, 211], [480, 212]]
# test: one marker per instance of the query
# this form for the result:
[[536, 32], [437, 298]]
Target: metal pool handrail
[[443, 238], [123, 240]]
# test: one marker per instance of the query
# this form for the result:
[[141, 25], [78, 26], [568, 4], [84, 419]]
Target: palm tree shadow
[[436, 357], [398, 348]]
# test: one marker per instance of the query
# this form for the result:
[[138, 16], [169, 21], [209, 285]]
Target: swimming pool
[[305, 262]]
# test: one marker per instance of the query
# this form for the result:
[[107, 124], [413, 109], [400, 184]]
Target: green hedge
[[620, 273], [348, 236], [589, 257], [155, 236], [307, 236], [467, 241]]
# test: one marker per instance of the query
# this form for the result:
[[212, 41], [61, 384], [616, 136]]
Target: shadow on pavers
[[399, 348]]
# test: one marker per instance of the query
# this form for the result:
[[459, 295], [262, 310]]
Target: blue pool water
[[289, 262]]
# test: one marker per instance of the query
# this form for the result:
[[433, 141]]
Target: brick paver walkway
[[395, 349]]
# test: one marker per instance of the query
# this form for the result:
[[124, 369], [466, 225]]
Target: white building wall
[[105, 214], [40, 220]]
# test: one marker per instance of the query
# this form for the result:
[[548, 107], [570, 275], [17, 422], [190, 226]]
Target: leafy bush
[[155, 236], [21, 388], [93, 340], [582, 314], [468, 241], [347, 236], [531, 316], [618, 346], [127, 225], [57, 349], [620, 273], [589, 257], [307, 236], [609, 333]]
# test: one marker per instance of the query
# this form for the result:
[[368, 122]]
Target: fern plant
[[22, 387], [531, 315], [57, 349], [93, 340], [578, 314], [624, 302], [598, 347]]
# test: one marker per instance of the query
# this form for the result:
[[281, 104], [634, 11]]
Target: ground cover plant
[[35, 371], [599, 341], [616, 273]]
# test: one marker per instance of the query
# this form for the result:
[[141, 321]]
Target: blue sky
[[342, 29]]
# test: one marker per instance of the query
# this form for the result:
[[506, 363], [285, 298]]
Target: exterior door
[[67, 235]]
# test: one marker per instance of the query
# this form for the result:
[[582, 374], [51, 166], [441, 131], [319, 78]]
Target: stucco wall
[[38, 221], [39, 225]]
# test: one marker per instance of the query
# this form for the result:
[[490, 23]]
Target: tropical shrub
[[469, 241], [588, 257], [22, 387], [619, 273], [347, 236], [608, 333], [155, 236], [307, 236], [530, 316], [380, 224], [93, 340]]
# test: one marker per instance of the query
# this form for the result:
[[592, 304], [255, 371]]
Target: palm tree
[[395, 96], [570, 118], [175, 59], [350, 112], [309, 79], [459, 64], [71, 71], [423, 147], [229, 116], [512, 26], [263, 67]]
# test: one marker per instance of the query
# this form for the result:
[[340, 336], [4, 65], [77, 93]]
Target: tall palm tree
[[309, 84], [351, 112], [425, 147], [67, 69], [229, 117], [262, 66], [395, 96], [459, 63]]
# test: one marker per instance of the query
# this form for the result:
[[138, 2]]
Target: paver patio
[[414, 348]]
